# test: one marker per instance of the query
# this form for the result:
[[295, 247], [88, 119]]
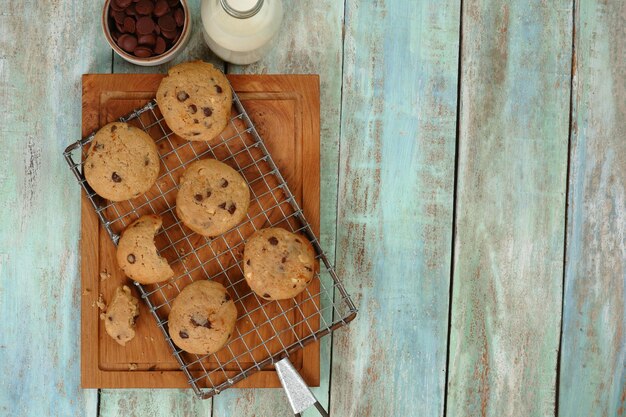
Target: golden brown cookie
[[119, 319], [137, 255], [278, 264], [122, 162], [195, 99], [212, 197], [202, 318]]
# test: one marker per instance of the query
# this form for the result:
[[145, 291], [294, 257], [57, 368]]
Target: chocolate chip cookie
[[278, 264], [195, 99], [119, 319], [137, 254], [202, 318], [122, 162], [212, 197]]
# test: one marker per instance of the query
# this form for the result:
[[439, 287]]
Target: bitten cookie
[[202, 318], [212, 197], [278, 264], [122, 162], [137, 254], [195, 99], [119, 320]]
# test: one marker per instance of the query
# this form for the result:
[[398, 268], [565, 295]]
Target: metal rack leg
[[298, 393]]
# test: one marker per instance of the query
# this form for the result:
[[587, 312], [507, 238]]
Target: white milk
[[240, 31]]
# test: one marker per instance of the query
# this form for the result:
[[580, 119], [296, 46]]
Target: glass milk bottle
[[240, 31]]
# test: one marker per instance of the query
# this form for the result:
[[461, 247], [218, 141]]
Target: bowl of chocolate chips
[[146, 32]]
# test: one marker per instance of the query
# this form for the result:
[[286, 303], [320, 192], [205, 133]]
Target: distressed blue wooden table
[[473, 195]]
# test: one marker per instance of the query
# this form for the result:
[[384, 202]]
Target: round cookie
[[122, 162], [212, 197], [202, 318], [278, 264], [137, 254], [195, 99]]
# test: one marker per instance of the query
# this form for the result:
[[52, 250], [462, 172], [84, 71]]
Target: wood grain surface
[[389, 72], [396, 177], [512, 170], [39, 262], [593, 352]]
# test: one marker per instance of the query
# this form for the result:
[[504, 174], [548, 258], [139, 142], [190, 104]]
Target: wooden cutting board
[[285, 110]]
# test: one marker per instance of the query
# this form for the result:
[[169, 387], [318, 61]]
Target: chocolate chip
[[144, 7], [273, 241], [110, 318], [159, 46], [146, 162], [196, 121], [228, 337], [129, 25], [182, 96], [198, 197], [122, 3], [99, 146], [195, 133], [298, 240], [283, 260], [160, 8], [142, 52], [227, 297], [183, 334], [232, 208], [179, 17], [119, 16], [113, 128], [206, 324], [167, 23], [127, 42], [223, 183], [192, 108], [148, 39], [266, 295], [207, 111], [208, 193], [115, 177], [118, 337], [222, 206], [308, 268], [130, 258], [248, 262], [145, 25], [115, 7], [169, 34], [294, 285]]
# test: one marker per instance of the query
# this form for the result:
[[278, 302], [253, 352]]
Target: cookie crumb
[[132, 366], [101, 304], [104, 275]]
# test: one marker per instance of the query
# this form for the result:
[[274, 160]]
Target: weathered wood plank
[[41, 61], [395, 205], [153, 403], [507, 278], [593, 351], [309, 42]]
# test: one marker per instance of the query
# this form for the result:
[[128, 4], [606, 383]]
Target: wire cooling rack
[[266, 331]]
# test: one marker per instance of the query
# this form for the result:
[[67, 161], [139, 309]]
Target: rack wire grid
[[266, 331]]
